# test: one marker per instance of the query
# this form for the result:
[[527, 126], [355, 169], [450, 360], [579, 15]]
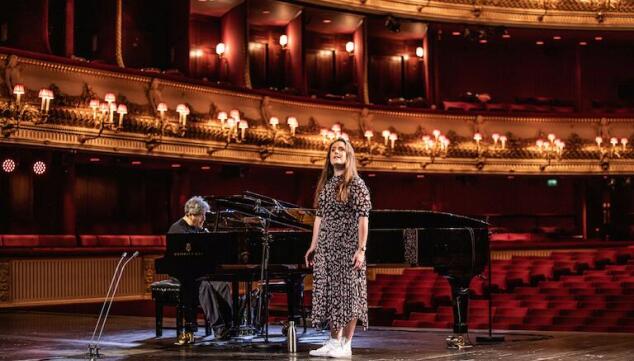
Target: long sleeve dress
[[340, 291]]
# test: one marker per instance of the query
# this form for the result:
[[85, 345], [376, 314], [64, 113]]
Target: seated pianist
[[214, 296]]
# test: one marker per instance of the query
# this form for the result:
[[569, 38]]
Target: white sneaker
[[325, 349], [342, 350]]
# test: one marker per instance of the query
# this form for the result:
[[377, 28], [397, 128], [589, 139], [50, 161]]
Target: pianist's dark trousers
[[215, 300]]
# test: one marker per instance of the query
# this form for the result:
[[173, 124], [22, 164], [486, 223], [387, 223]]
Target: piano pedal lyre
[[457, 342]]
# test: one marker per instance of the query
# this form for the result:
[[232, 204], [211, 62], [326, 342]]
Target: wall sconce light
[[109, 98], [324, 135], [439, 145], [350, 48], [420, 52], [293, 124], [368, 135], [18, 90], [613, 151], [103, 108], [550, 149], [122, 110], [196, 53], [112, 107], [336, 129], [283, 41], [220, 49], [161, 108], [243, 125], [393, 137], [222, 117], [327, 135], [94, 105], [182, 111], [499, 143], [386, 135], [46, 95], [274, 121]]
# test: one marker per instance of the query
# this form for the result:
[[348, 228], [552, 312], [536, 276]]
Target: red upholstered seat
[[113, 241], [20, 240], [423, 316], [146, 241], [88, 240], [397, 304], [61, 240]]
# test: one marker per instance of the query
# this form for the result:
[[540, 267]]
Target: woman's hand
[[358, 259], [309, 258]]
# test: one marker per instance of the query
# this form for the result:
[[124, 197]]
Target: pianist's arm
[[313, 243]]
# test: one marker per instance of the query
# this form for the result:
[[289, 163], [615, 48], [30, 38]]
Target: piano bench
[[167, 293]]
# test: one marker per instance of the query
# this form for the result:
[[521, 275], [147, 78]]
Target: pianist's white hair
[[196, 206]]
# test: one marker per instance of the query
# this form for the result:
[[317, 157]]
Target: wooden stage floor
[[48, 336]]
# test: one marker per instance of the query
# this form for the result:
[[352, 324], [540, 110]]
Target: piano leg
[[460, 303], [189, 302], [158, 308], [294, 292]]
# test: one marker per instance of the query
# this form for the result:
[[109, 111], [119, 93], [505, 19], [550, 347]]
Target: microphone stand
[[264, 269], [93, 349]]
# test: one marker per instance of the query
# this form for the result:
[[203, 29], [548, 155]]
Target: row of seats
[[566, 291], [506, 107], [84, 240]]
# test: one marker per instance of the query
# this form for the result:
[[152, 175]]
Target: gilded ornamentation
[[365, 121], [71, 118], [545, 13], [148, 273], [154, 96], [5, 281], [12, 74]]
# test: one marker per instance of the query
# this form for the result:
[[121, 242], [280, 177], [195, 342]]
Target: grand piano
[[243, 228]]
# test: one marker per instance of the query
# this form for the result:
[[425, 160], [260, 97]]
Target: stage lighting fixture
[[8, 165], [392, 24], [39, 167]]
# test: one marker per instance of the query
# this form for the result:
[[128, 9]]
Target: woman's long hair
[[328, 172]]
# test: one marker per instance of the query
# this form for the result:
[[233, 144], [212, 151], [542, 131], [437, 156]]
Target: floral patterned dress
[[340, 291]]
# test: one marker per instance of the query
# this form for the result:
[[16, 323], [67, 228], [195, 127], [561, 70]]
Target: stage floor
[[46, 336]]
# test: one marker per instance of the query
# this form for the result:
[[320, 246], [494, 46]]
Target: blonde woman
[[337, 250]]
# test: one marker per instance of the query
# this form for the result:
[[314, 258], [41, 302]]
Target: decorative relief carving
[[148, 272], [577, 14], [154, 96], [203, 136], [5, 281], [12, 74]]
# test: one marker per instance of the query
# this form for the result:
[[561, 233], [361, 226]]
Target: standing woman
[[337, 250]]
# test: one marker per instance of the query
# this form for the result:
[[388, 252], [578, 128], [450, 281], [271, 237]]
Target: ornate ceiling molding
[[595, 14], [72, 124]]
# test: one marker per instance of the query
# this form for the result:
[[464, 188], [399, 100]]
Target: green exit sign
[[551, 182]]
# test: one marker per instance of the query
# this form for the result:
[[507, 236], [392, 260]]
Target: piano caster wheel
[[457, 342]]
